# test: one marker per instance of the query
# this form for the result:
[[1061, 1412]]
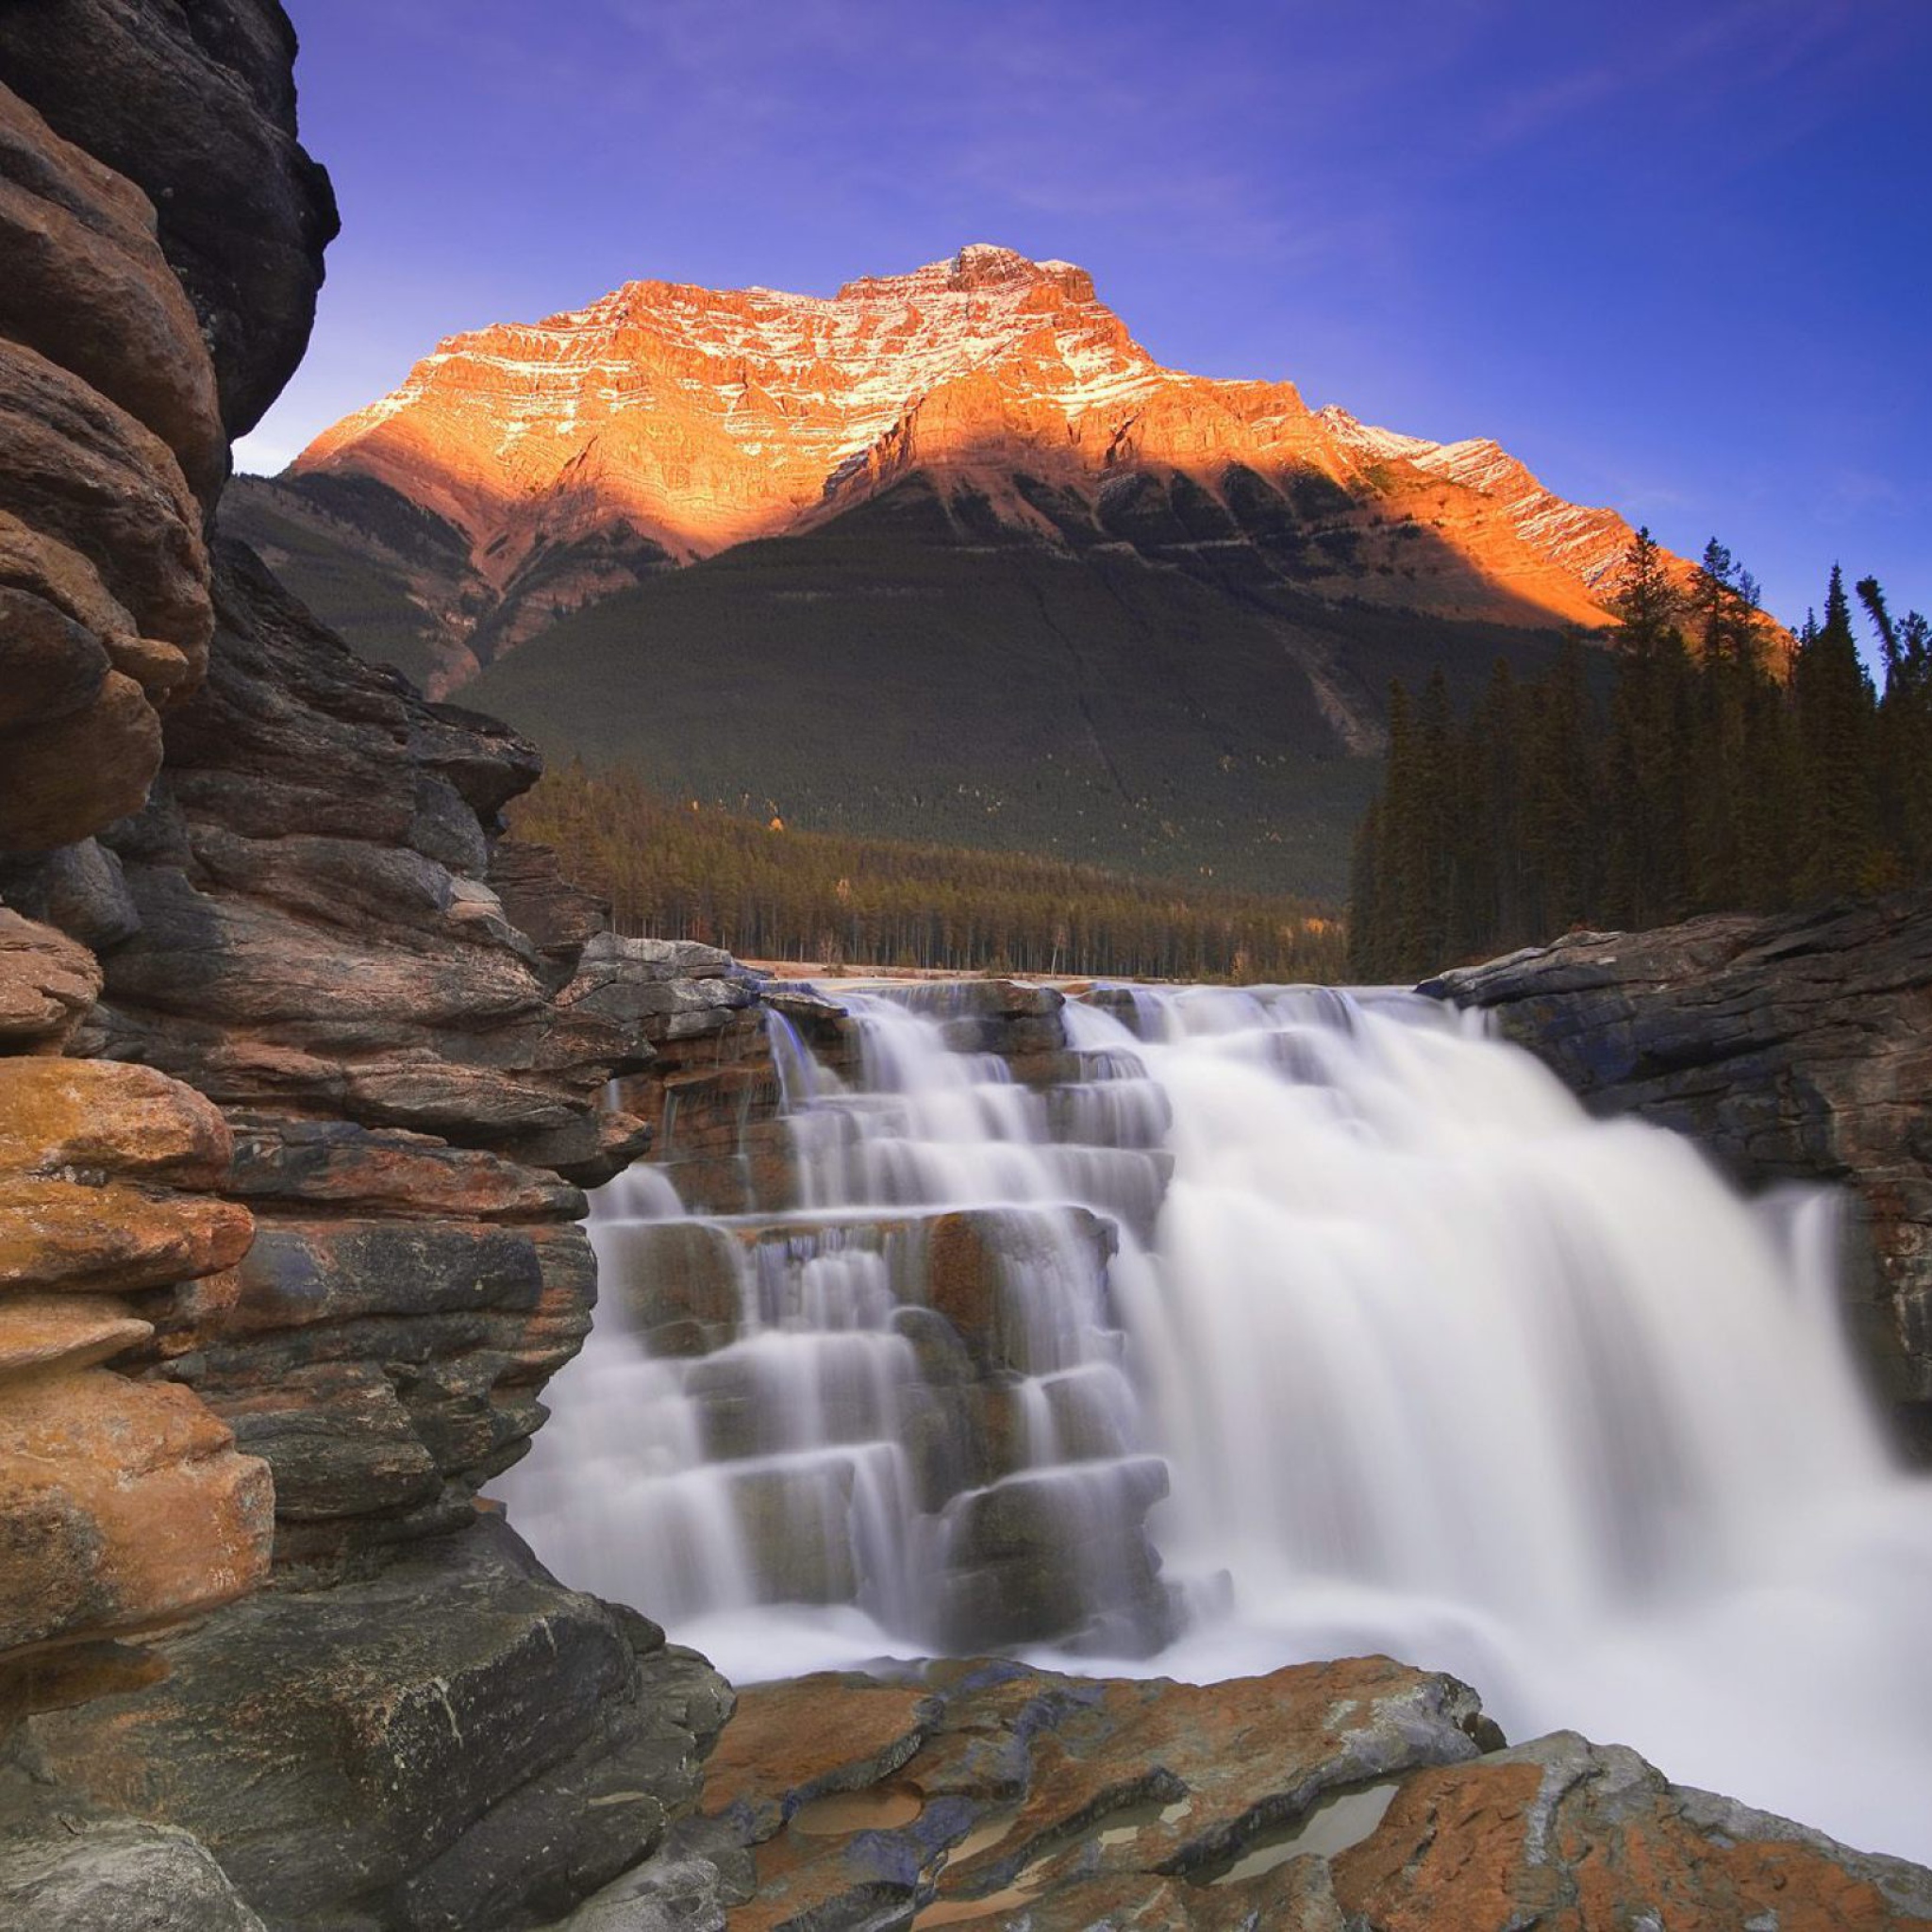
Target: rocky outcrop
[[1793, 1048], [1356, 1794], [302, 1069], [107, 426], [194, 106], [457, 1743], [293, 1115]]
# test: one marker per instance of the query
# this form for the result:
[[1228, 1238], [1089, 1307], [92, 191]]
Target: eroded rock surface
[[460, 1743], [1355, 1796], [1793, 1048], [288, 1240], [194, 105]]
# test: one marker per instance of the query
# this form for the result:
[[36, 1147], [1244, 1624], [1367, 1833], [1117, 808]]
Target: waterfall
[[1253, 1326]]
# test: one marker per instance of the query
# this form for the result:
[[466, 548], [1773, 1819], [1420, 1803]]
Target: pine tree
[[1834, 717], [1903, 740]]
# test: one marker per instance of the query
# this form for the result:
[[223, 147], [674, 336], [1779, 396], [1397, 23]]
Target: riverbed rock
[[1793, 1048], [1569, 1834], [986, 1790], [1355, 1796]]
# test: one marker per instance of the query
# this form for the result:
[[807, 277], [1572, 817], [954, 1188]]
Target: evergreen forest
[[1720, 766], [768, 893]]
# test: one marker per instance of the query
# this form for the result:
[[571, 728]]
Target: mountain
[[1025, 584]]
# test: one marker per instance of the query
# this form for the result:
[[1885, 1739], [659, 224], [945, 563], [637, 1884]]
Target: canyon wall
[[303, 1070], [1792, 1048]]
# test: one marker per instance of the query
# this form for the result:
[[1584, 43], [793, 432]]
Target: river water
[[1424, 1360]]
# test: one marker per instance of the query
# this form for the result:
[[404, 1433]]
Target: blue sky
[[1676, 256]]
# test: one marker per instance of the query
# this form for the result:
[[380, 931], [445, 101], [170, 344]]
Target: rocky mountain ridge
[[665, 421]]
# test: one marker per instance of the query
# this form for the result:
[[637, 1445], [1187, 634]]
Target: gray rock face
[[195, 104], [1794, 1048], [299, 917], [117, 1875], [458, 1744]]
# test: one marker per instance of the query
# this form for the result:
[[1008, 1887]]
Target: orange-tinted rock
[[1355, 1796], [123, 1506], [103, 1117], [47, 983], [790, 1743], [83, 471], [57, 1234], [1572, 1837], [578, 455], [79, 771], [984, 1790], [42, 1332], [87, 285]]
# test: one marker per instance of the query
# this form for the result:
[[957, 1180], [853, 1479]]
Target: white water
[[1438, 1365]]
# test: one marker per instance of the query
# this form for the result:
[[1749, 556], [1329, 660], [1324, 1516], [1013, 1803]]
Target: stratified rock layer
[[1794, 1048], [195, 104], [303, 1183], [457, 1743]]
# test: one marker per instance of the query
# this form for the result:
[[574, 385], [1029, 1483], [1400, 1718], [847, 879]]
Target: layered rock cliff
[[291, 1116], [1793, 1048]]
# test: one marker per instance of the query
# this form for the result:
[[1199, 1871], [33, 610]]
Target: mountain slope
[[961, 517], [878, 674]]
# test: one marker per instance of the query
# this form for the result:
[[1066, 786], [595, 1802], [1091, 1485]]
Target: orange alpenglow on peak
[[684, 419]]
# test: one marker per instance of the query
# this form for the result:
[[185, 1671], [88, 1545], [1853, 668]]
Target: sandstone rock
[[69, 777], [1792, 1048], [96, 1117], [989, 1792], [559, 916], [82, 471], [89, 287], [384, 1367], [362, 1168], [47, 983], [57, 666], [123, 1506], [340, 969], [57, 1234], [1565, 1834], [458, 1744], [1329, 1797], [40, 1332]]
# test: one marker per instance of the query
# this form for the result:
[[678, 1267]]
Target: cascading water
[[1424, 1360]]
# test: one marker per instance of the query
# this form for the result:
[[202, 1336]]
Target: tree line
[[766, 892], [1707, 763]]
